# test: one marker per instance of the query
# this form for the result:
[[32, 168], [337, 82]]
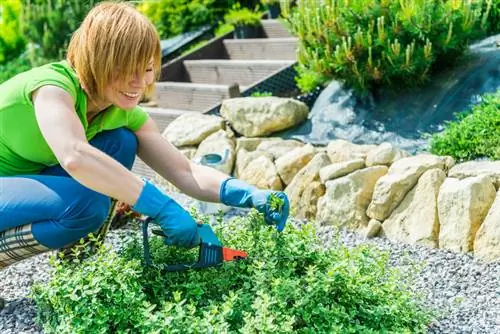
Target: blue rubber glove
[[177, 224], [234, 192]]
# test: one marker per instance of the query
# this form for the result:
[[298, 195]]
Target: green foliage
[[371, 43], [238, 16], [261, 94], [12, 42], [493, 19], [24, 62], [50, 24], [173, 17], [276, 203], [288, 284], [475, 134]]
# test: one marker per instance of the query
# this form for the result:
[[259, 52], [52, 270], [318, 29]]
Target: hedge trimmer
[[211, 252]]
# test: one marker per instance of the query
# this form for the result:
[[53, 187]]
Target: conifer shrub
[[474, 134], [373, 43], [288, 284]]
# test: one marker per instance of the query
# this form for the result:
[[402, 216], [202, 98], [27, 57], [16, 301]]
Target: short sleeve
[[49, 77], [136, 118]]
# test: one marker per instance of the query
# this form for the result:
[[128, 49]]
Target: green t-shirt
[[23, 150]]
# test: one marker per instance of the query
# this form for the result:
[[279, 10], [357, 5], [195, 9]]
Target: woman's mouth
[[130, 95]]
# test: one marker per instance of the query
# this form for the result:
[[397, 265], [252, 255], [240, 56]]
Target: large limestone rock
[[251, 144], [487, 241], [475, 168], [342, 150], [402, 176], [278, 148], [261, 173], [221, 143], [302, 180], [462, 207], [261, 116], [192, 128], [384, 154], [415, 220], [307, 206], [289, 164], [340, 169], [347, 198], [243, 158]]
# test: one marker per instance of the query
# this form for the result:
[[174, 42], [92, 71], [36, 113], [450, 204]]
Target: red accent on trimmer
[[229, 254]]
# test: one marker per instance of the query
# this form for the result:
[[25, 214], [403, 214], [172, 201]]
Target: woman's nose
[[138, 81]]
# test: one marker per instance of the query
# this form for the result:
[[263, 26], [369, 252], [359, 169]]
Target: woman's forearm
[[97, 171]]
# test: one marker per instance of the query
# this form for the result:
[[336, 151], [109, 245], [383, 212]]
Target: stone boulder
[[340, 169], [487, 241], [221, 143], [261, 173], [192, 128], [384, 154], [339, 150], [402, 176], [415, 220], [307, 207], [262, 116], [476, 168], [278, 148], [347, 198], [302, 181], [243, 158], [462, 207], [289, 164]]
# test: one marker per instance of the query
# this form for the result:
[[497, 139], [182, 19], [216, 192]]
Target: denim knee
[[84, 215], [119, 143]]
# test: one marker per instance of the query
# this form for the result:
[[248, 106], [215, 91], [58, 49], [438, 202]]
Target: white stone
[[192, 128], [487, 241]]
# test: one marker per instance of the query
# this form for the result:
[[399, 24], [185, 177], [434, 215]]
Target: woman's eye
[[149, 70]]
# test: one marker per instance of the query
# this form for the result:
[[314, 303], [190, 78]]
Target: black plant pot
[[274, 10], [245, 31]]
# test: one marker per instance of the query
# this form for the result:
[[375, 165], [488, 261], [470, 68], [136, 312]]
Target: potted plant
[[245, 21], [273, 7]]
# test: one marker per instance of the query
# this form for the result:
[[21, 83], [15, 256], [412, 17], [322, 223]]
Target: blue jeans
[[60, 209]]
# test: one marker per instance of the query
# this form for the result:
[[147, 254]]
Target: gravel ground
[[466, 290]]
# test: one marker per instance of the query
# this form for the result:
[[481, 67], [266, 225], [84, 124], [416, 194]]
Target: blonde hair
[[113, 42]]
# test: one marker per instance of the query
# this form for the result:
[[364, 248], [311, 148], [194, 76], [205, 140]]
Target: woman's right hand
[[176, 223]]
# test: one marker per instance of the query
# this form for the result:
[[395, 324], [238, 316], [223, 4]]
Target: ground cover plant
[[474, 134], [372, 43], [288, 283]]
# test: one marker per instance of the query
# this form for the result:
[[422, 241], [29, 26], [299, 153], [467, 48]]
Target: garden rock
[[340, 169], [347, 198], [415, 220], [340, 150], [278, 148], [373, 228], [462, 207], [251, 144], [476, 168], [222, 143], [487, 241], [307, 206], [261, 173], [303, 179], [289, 164], [402, 176], [192, 128], [262, 116], [243, 158], [384, 154]]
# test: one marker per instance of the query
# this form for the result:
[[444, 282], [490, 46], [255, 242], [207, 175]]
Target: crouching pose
[[69, 134]]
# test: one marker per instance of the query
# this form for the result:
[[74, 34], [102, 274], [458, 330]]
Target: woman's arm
[[65, 135], [197, 181]]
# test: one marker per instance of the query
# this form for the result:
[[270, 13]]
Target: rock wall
[[377, 190]]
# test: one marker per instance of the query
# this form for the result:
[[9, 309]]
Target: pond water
[[403, 118]]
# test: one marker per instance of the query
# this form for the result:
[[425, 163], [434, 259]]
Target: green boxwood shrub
[[372, 43], [475, 134], [289, 284]]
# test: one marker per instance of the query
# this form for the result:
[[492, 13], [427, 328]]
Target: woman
[[69, 133]]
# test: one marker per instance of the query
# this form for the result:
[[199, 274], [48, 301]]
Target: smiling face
[[127, 93]]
